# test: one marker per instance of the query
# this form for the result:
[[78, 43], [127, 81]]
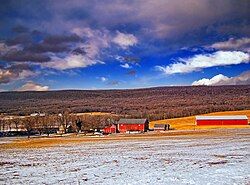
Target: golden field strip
[[188, 123], [41, 142]]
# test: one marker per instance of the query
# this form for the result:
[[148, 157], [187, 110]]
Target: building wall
[[222, 122], [131, 127], [109, 130]]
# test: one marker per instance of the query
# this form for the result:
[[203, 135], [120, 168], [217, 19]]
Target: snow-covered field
[[175, 160]]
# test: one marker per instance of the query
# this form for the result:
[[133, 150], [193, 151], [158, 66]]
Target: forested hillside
[[154, 103]]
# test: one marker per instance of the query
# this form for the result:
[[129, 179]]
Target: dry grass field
[[188, 123], [69, 139]]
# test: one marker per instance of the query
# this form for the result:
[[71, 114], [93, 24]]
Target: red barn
[[109, 130], [127, 125], [221, 120]]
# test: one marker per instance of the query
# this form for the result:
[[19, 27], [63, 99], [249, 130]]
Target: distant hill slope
[[155, 103]]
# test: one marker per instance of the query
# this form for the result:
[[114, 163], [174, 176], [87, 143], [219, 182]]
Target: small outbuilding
[[161, 127], [222, 120], [131, 125], [110, 129]]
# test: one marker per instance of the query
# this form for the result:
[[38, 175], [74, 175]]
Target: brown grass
[[40, 142], [188, 123]]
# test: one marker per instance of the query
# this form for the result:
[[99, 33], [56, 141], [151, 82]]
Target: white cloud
[[126, 65], [216, 79], [92, 49], [96, 40], [31, 86], [201, 61], [83, 32], [103, 79], [242, 44], [242, 79], [27, 73], [70, 62], [125, 40]]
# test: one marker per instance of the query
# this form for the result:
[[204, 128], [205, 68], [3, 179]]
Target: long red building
[[128, 125], [221, 120]]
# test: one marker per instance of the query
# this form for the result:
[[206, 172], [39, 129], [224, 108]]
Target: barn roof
[[241, 117], [132, 121]]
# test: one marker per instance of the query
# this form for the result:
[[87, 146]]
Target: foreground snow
[[175, 160]]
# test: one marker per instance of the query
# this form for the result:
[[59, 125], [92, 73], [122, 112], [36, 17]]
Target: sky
[[123, 44]]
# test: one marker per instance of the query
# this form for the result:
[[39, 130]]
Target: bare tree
[[64, 120], [39, 124], [4, 124], [8, 122], [1, 124], [29, 124], [79, 124], [48, 123], [16, 122]]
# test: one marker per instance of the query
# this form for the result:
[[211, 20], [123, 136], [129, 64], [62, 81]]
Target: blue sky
[[120, 44]]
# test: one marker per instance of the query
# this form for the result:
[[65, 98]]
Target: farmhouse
[[109, 130], [161, 127], [222, 120], [128, 125]]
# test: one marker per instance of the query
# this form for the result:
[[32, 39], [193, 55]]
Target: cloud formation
[[23, 56], [46, 47], [128, 59], [76, 34], [70, 62], [242, 44], [103, 79], [60, 39], [5, 76], [81, 48], [19, 39], [220, 79], [158, 19], [201, 61], [125, 40], [15, 72], [126, 66], [31, 86]]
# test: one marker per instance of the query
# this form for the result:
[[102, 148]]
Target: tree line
[[47, 124]]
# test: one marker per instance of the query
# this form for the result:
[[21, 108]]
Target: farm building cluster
[[142, 125], [131, 125], [62, 124]]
